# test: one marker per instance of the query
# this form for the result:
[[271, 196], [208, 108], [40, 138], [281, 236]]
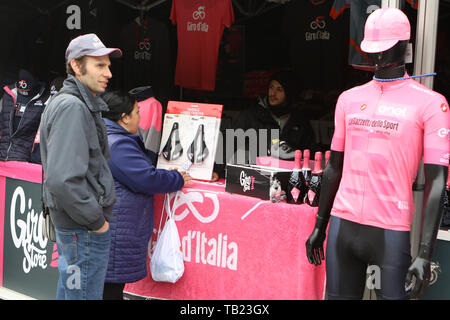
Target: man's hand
[[104, 228]]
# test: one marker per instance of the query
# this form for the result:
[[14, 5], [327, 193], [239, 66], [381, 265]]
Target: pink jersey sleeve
[[436, 122], [338, 142]]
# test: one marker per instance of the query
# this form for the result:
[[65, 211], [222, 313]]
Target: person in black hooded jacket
[[277, 110]]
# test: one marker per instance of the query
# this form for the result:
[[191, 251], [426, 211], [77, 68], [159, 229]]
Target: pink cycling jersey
[[385, 128]]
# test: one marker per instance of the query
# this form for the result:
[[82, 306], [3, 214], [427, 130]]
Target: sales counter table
[[235, 247]]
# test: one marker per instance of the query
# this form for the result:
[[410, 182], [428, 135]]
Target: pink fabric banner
[[21, 171], [237, 247]]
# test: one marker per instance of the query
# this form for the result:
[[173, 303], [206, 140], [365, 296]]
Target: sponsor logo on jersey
[[444, 107], [393, 111], [403, 205], [363, 107], [444, 132]]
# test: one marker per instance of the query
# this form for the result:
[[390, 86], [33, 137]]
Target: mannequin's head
[[386, 36], [392, 57]]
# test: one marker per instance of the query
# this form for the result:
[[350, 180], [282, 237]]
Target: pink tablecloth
[[236, 247]]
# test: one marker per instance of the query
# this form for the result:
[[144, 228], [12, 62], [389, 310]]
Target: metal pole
[[426, 34], [391, 3]]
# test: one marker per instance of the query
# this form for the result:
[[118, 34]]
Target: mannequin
[[373, 239]]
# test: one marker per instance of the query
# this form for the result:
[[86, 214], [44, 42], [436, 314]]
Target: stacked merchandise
[[300, 185]]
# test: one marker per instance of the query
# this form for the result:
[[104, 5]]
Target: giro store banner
[[28, 261]]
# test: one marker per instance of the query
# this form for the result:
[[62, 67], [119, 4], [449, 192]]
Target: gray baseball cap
[[89, 45]]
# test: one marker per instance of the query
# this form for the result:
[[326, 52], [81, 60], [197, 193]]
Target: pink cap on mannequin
[[384, 28]]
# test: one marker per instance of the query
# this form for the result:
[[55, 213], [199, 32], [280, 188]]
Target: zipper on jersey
[[372, 115]]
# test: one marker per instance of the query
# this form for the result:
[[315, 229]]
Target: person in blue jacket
[[136, 181]]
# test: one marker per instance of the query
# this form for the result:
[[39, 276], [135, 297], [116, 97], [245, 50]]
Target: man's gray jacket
[[78, 184]]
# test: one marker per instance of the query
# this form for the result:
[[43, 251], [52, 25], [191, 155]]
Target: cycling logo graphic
[[318, 23], [210, 208], [145, 44], [143, 51], [318, 30], [199, 14]]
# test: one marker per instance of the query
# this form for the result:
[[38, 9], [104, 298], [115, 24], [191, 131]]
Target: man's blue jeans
[[82, 263]]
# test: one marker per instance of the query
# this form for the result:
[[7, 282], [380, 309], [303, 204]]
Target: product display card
[[189, 138]]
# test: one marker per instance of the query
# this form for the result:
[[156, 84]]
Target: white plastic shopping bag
[[166, 263]]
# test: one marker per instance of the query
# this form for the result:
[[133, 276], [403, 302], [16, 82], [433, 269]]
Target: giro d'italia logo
[[199, 14], [22, 84]]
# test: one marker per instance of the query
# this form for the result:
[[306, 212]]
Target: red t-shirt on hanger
[[200, 25]]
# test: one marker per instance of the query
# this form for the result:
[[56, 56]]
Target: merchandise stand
[[28, 264], [225, 238]]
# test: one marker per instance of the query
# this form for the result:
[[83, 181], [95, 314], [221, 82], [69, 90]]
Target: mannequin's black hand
[[314, 247], [418, 278]]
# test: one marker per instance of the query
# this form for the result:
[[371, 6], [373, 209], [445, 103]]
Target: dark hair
[[118, 102], [289, 82], [81, 61]]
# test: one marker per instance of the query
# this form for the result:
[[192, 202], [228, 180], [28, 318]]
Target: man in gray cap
[[78, 185]]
